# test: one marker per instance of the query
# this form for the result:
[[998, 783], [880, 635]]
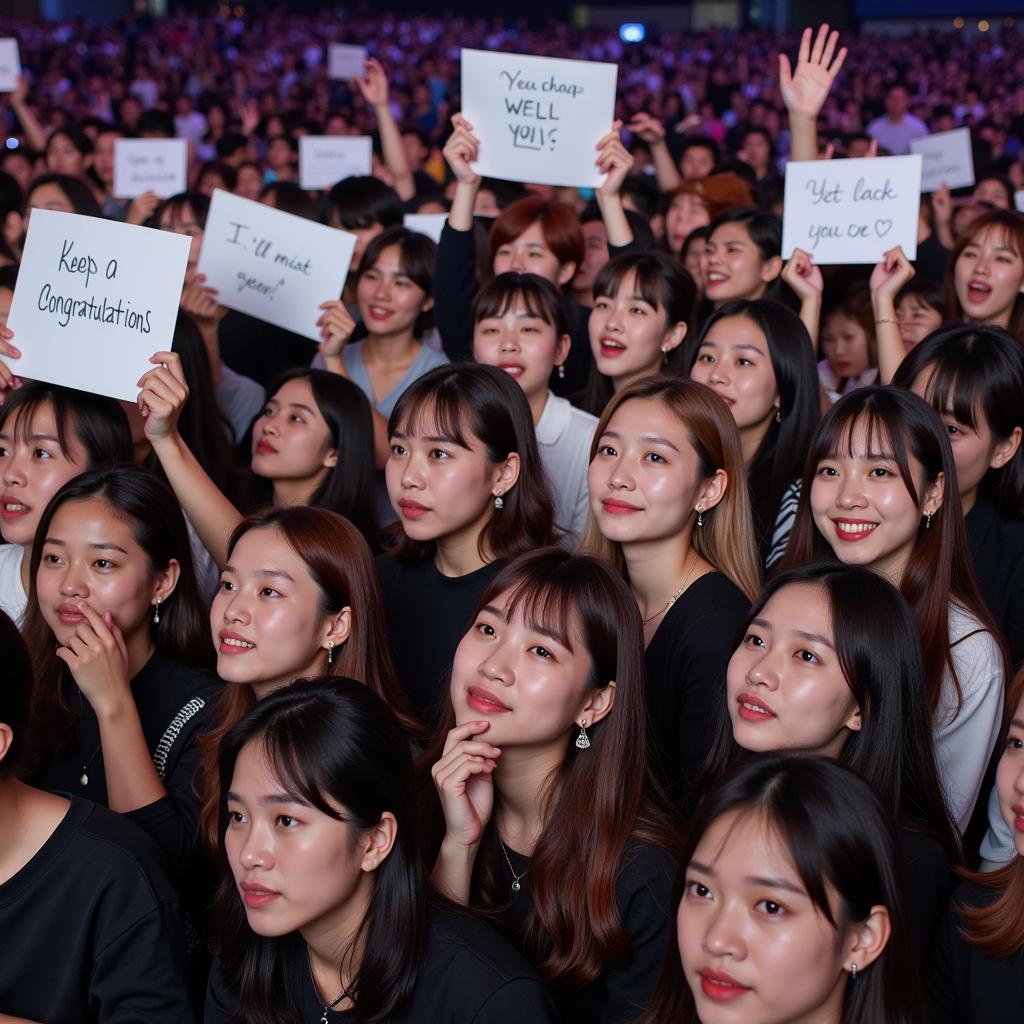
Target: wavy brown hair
[[726, 540], [339, 560]]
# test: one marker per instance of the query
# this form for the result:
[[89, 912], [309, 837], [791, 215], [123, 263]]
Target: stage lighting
[[632, 32], [12, 143]]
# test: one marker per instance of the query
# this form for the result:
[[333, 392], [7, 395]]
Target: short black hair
[[360, 202], [156, 123]]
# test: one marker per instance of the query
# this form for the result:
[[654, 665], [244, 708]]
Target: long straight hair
[[328, 741], [341, 564], [592, 806], [726, 540], [779, 459], [997, 928], [940, 567], [978, 375], [467, 403], [841, 840], [879, 653], [150, 509]]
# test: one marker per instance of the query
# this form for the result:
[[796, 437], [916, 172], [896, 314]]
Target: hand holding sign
[[163, 396], [891, 273], [461, 151], [803, 276], [336, 328], [7, 377], [614, 161]]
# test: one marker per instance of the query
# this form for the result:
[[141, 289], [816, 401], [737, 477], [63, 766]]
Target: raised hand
[[647, 128], [805, 90], [461, 149], [614, 161], [163, 396], [98, 659], [891, 273], [803, 275], [336, 328], [464, 784], [8, 379], [199, 300], [141, 208], [374, 83]]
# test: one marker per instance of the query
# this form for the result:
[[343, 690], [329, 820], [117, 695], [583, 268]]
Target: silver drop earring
[[330, 652], [700, 515], [928, 521], [156, 612], [583, 740], [853, 972], [499, 501]]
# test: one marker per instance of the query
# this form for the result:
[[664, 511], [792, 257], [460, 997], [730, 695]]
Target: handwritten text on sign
[[852, 211], [345, 62], [273, 265], [538, 119], [10, 65], [150, 165], [94, 300], [948, 159], [325, 159]]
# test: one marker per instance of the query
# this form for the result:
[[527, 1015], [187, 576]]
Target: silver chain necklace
[[516, 885], [312, 978], [678, 594]]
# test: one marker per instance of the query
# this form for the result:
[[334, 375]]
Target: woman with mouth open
[[791, 910], [879, 490], [830, 664], [669, 509], [540, 823]]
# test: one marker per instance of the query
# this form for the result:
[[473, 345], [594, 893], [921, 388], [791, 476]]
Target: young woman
[[323, 910], [879, 491], [89, 925], [670, 510], [977, 969], [848, 345], [466, 480], [63, 193], [48, 434], [312, 445], [758, 357], [791, 909], [546, 705], [643, 305], [985, 276], [920, 309], [973, 377], [298, 597], [830, 664], [742, 256], [115, 630], [533, 235], [520, 326]]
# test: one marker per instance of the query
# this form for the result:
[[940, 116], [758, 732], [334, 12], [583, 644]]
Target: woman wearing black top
[[113, 585], [668, 497], [466, 480], [323, 909], [542, 823], [830, 664], [977, 973]]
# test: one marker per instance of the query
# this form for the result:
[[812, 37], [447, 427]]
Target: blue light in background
[[632, 32]]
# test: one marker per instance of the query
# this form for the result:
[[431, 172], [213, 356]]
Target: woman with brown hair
[[297, 597], [670, 510], [541, 823]]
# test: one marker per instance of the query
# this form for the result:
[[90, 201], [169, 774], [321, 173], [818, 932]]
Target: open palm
[[805, 90]]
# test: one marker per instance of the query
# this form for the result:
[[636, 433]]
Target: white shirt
[[896, 136], [965, 739], [564, 436], [13, 599]]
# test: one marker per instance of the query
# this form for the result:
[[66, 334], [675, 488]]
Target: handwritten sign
[[325, 159], [273, 265], [345, 62], [10, 65], [150, 165], [429, 224], [851, 211], [94, 300], [1018, 200], [947, 159], [538, 119]]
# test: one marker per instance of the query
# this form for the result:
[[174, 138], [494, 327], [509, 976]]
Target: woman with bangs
[[670, 510], [532, 235], [643, 306], [466, 481], [542, 827], [520, 326], [879, 490]]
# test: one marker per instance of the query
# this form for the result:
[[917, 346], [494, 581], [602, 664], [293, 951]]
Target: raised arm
[[888, 277], [460, 151], [805, 90], [801, 274], [374, 87], [615, 162], [29, 122], [652, 131]]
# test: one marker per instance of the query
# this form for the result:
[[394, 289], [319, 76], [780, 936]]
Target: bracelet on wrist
[[887, 320]]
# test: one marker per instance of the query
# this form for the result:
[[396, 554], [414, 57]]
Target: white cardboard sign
[[538, 119], [10, 65], [150, 165], [326, 159], [95, 299], [1018, 200], [429, 224], [851, 211], [273, 265], [345, 62], [947, 159]]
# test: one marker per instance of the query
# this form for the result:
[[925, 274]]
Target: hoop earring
[[700, 515], [156, 611], [499, 501], [330, 652], [583, 740]]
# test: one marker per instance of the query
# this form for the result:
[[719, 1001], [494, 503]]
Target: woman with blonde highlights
[[670, 509]]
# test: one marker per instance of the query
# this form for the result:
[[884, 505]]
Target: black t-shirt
[[174, 703], [964, 985], [468, 974], [997, 551], [686, 662], [90, 930], [927, 881], [643, 895], [428, 613]]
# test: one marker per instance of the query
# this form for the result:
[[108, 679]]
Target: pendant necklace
[[312, 978], [516, 885], [83, 779], [678, 594]]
